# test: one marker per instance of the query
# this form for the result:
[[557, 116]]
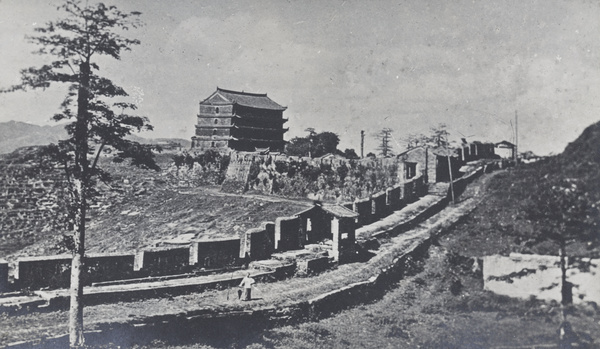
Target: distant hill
[[16, 134], [585, 149]]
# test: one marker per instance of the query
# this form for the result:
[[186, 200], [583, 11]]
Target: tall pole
[[362, 144], [516, 154], [449, 170]]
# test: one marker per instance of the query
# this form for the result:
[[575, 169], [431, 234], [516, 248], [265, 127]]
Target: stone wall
[[313, 266], [364, 209], [27, 203], [168, 261], [43, 272], [379, 206], [326, 179], [288, 233], [109, 267], [236, 177], [258, 243], [215, 254], [4, 285], [394, 197]]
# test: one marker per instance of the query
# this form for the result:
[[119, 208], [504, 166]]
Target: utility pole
[[516, 154], [450, 170], [362, 144]]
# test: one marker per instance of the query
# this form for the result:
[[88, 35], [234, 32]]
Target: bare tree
[[437, 137], [385, 147], [86, 32]]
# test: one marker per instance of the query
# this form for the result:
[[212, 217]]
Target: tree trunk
[[79, 190], [566, 289], [76, 338]]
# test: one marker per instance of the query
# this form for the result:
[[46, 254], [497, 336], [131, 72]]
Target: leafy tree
[[298, 146], [314, 144], [311, 140], [439, 136], [385, 147], [567, 214], [350, 154], [325, 143], [86, 32]]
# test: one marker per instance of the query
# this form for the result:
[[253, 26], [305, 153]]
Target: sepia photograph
[[274, 174]]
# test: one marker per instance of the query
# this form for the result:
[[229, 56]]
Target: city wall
[[51, 272], [286, 233]]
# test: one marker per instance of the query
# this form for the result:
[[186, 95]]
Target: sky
[[347, 66]]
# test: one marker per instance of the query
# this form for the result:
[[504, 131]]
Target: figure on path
[[246, 284]]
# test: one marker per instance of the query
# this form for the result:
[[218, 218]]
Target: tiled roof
[[254, 100], [505, 143]]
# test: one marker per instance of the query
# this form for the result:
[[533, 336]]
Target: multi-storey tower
[[240, 121]]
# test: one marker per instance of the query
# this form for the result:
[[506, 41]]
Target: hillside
[[441, 302], [500, 222], [16, 134], [138, 208]]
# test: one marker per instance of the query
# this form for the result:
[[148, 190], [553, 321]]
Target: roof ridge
[[242, 92]]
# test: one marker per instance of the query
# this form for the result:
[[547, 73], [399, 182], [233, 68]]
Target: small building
[[331, 222], [239, 121], [429, 162], [505, 150], [415, 162], [481, 150]]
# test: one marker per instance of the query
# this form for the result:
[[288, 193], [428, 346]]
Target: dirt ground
[[440, 303], [144, 220]]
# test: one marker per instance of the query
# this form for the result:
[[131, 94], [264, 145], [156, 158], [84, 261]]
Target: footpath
[[191, 303]]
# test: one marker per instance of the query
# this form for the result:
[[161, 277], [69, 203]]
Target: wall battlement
[[286, 233]]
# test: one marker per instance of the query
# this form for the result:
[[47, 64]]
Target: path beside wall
[[368, 282]]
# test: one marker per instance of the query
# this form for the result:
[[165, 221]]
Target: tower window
[[216, 121], [217, 110], [214, 131], [212, 144]]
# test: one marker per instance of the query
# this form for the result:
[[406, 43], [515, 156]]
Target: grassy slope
[[423, 312], [439, 304], [148, 208], [428, 308]]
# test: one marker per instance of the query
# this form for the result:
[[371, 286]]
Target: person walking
[[247, 283]]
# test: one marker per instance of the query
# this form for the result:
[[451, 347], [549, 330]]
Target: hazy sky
[[346, 66]]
